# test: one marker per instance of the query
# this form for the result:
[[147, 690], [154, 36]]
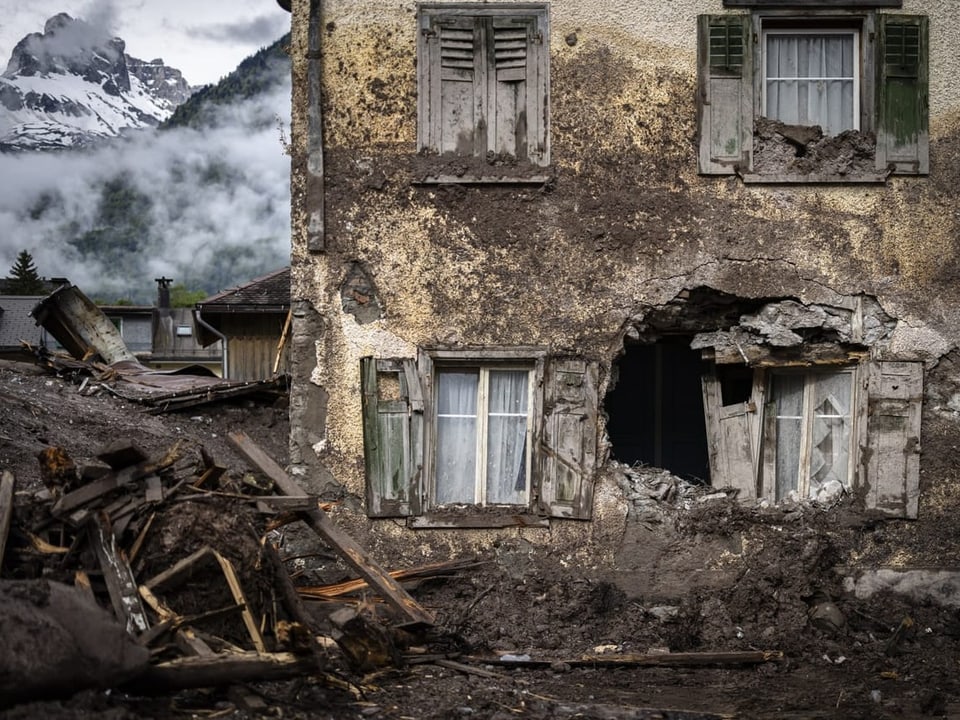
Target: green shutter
[[725, 94], [569, 438], [895, 396], [903, 143], [392, 436]]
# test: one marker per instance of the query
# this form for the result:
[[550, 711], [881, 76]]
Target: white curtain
[[810, 80], [787, 392], [457, 436], [506, 437], [830, 439]]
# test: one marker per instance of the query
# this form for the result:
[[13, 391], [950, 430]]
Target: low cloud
[[262, 29], [213, 205]]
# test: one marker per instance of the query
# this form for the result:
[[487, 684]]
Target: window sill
[[479, 520], [813, 179], [483, 180]]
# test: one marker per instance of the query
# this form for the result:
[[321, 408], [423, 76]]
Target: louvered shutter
[[725, 88], [903, 142], [895, 396], [569, 438], [454, 103], [516, 88], [392, 436]]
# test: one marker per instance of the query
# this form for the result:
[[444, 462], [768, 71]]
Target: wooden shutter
[[903, 142], [569, 438], [725, 93], [894, 395], [516, 90], [392, 436], [455, 87], [730, 444]]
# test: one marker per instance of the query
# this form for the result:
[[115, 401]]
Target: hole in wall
[[655, 409]]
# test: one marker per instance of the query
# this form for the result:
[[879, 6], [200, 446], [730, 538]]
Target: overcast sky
[[205, 39]]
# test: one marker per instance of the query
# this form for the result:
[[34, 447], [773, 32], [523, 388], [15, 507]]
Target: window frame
[[428, 87], [481, 447], [434, 361], [770, 428], [398, 401], [806, 28], [893, 96]]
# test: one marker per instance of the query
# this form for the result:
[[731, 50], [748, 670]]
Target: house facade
[[252, 323], [535, 242]]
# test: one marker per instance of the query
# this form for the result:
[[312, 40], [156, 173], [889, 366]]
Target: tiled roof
[[271, 290], [16, 323]]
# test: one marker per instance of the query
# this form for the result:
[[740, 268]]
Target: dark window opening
[[655, 410], [736, 383]]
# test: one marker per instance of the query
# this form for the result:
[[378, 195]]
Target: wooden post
[[6, 509], [355, 556]]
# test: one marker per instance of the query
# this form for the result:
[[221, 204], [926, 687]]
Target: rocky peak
[[75, 47], [73, 85]]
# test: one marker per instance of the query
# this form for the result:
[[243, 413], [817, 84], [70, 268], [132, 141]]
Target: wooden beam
[[119, 577], [89, 493], [683, 659], [354, 555], [219, 670], [238, 597], [6, 509]]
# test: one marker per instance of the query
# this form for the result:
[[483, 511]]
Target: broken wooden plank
[[190, 644], [182, 570], [89, 493], [6, 509], [121, 585], [681, 659], [430, 570], [219, 670], [238, 595], [179, 571], [356, 556], [283, 340]]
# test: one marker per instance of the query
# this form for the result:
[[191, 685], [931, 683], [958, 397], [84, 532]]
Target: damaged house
[[537, 242]]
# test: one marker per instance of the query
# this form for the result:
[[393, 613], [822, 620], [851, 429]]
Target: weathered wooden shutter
[[568, 443], [895, 396], [517, 93], [903, 141], [456, 86], [730, 446], [725, 93], [392, 436]]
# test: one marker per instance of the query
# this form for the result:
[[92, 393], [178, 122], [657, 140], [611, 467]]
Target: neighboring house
[[135, 323], [175, 344], [532, 239], [251, 321], [17, 327]]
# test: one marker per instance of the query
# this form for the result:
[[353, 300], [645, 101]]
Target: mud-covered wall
[[624, 223]]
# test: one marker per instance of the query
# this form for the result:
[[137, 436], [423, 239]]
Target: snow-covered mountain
[[72, 86]]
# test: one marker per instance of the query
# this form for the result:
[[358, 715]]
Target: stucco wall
[[626, 223]]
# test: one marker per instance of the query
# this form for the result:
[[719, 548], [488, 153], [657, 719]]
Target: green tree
[[180, 297], [24, 278]]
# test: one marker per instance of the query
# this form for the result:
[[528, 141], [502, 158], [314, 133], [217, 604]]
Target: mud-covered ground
[[842, 657]]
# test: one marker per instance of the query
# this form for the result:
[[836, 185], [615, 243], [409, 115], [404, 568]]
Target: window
[[808, 433], [485, 438], [812, 422], [840, 70], [810, 78], [483, 429], [483, 76]]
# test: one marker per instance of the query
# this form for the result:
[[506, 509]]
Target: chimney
[[163, 292]]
